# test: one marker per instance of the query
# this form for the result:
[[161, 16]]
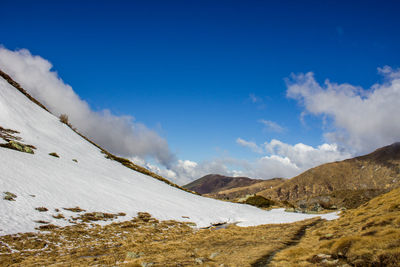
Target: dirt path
[[267, 258]]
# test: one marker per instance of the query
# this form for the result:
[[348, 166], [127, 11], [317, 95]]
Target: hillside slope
[[213, 183], [240, 192], [366, 236], [347, 183], [62, 170]]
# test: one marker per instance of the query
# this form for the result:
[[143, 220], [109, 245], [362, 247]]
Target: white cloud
[[272, 126], [253, 146], [305, 156], [285, 160], [118, 134], [361, 119], [184, 171], [279, 160], [257, 100]]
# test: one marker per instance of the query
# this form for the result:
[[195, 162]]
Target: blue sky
[[204, 73]]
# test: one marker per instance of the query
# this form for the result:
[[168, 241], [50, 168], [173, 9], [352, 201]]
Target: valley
[[68, 202]]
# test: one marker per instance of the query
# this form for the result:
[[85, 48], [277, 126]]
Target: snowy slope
[[94, 183]]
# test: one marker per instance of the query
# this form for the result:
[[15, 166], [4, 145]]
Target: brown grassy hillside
[[366, 236], [242, 191], [347, 183]]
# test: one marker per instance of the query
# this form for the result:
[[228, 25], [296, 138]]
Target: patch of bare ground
[[75, 209], [9, 134], [366, 236], [145, 241]]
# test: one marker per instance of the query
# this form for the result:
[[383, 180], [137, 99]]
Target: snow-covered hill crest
[[82, 176]]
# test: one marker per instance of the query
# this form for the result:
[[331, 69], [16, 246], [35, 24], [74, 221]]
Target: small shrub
[[47, 227], [259, 201], [41, 209], [58, 216], [144, 216], [75, 160], [42, 222], [54, 154], [64, 119], [9, 196]]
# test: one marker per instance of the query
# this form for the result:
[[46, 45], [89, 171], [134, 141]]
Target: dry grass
[[19, 88], [145, 240], [64, 119], [75, 209], [9, 134], [41, 209], [366, 236], [127, 163], [54, 154], [240, 192]]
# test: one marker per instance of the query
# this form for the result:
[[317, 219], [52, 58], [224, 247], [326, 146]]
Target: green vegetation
[[19, 147], [9, 196], [259, 201]]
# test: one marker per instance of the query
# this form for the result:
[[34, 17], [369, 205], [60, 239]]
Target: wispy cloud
[[271, 126], [253, 146], [257, 101]]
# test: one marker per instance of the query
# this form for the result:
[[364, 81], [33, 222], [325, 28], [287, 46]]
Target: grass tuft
[[76, 209], [41, 209], [54, 154]]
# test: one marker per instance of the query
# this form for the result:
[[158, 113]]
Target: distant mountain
[[214, 183], [347, 183], [240, 192]]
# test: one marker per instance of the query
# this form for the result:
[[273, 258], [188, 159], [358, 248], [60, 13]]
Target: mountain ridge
[[332, 184], [212, 183]]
